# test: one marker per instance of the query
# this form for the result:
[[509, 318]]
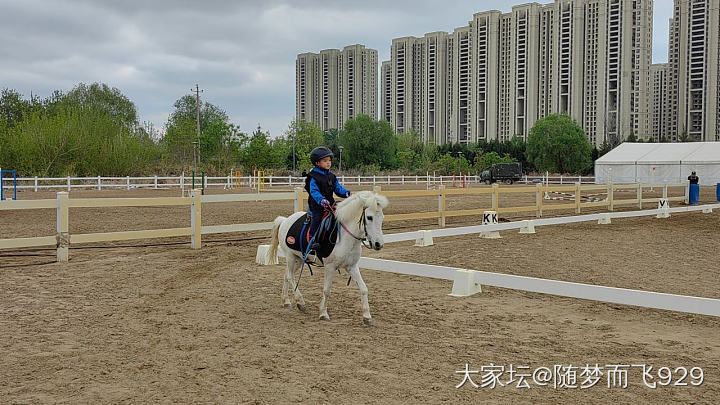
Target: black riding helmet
[[319, 153]]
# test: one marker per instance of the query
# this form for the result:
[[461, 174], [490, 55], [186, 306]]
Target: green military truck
[[507, 173]]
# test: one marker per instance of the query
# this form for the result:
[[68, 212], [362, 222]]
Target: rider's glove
[[324, 203]]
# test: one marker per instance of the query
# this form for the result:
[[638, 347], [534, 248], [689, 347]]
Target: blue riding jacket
[[315, 190]]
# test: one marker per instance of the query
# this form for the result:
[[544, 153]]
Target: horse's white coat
[[346, 253]]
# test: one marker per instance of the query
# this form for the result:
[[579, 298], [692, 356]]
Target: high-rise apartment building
[[484, 70], [694, 74], [401, 98], [589, 59], [432, 52], [386, 91], [335, 86], [659, 101]]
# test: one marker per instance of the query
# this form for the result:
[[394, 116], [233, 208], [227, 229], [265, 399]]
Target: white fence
[[229, 182]]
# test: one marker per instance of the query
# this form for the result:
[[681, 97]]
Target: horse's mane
[[349, 210]]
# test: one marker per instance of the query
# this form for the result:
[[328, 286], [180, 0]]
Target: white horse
[[361, 217]]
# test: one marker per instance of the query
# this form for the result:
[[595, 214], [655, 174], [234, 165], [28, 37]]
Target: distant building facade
[[335, 85], [494, 78], [694, 77]]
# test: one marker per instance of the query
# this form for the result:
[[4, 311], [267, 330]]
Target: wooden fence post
[[665, 187], [639, 195], [610, 193], [539, 199], [442, 205], [577, 197], [195, 219], [687, 192], [495, 196], [63, 226], [298, 204]]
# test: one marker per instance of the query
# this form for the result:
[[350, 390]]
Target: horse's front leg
[[355, 274], [329, 274]]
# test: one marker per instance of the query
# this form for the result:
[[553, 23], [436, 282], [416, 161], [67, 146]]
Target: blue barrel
[[694, 193], [718, 192]]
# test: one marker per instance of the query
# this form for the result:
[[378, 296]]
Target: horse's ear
[[381, 200]]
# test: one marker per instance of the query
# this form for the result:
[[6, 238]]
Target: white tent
[[706, 162], [619, 165], [663, 164], [660, 163]]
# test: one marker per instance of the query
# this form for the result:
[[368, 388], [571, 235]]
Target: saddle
[[298, 237]]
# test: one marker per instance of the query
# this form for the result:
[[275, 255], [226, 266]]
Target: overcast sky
[[241, 53]]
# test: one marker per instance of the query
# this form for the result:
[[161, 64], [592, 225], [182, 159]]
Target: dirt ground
[[164, 323]]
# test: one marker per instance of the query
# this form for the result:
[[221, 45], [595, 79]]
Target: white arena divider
[[646, 299], [528, 227], [504, 226]]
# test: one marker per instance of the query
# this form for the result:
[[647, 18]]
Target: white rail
[[160, 182], [646, 299]]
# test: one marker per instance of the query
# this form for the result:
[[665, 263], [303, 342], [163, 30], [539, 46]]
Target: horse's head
[[367, 207]]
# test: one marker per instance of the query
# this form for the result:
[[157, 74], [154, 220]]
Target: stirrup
[[313, 259]]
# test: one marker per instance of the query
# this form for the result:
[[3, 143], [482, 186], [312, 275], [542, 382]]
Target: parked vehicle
[[502, 172]]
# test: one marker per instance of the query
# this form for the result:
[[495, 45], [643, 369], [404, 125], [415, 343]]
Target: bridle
[[362, 224]]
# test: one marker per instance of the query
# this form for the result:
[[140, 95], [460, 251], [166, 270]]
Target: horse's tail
[[272, 252]]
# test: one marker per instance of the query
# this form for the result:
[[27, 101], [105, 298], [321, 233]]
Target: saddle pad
[[295, 242]]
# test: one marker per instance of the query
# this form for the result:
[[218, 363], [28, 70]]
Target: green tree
[[449, 164], [185, 109], [307, 137], [12, 107], [177, 143], [492, 158], [259, 152], [105, 98], [368, 142], [218, 141], [331, 139], [429, 155], [75, 141], [558, 144], [221, 144], [408, 150], [90, 131]]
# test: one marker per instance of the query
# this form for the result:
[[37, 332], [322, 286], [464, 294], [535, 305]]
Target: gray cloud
[[242, 53]]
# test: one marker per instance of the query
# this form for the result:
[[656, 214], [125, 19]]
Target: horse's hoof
[[368, 321], [324, 318], [301, 308], [287, 306]]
